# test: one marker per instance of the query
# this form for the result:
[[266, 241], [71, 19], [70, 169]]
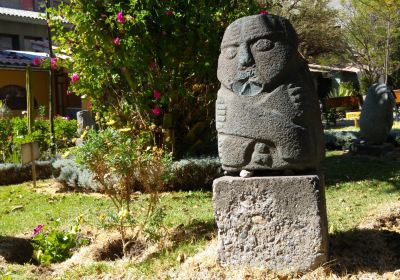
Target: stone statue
[[84, 120], [376, 118], [267, 112]]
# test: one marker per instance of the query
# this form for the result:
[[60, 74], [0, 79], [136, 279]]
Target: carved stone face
[[255, 54], [267, 112]]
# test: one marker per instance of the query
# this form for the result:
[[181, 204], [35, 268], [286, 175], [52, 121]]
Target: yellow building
[[13, 66]]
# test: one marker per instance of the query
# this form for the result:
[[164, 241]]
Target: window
[[14, 97], [18, 4], [9, 42], [28, 43], [14, 4]]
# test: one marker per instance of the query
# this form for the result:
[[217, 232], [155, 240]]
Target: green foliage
[[344, 89], [73, 176], [11, 173], [340, 140], [194, 173], [372, 34], [14, 132], [316, 24], [5, 139], [156, 65], [55, 245], [121, 164]]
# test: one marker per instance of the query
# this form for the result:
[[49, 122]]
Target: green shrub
[[194, 173], [74, 176], [344, 89], [149, 61], [14, 132], [122, 163], [11, 173], [5, 139], [341, 140]]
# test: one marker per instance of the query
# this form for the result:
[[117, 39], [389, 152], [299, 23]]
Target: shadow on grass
[[368, 250], [195, 231], [16, 250], [349, 168]]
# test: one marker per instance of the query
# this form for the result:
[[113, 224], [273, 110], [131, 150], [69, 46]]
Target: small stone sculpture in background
[[267, 111], [376, 118], [85, 121]]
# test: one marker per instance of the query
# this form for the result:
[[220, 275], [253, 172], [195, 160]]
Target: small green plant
[[4, 110], [344, 89], [123, 163], [54, 245], [42, 111], [14, 132]]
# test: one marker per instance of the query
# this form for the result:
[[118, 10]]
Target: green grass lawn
[[355, 188]]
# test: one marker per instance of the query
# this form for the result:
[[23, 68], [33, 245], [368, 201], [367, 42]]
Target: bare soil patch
[[16, 249]]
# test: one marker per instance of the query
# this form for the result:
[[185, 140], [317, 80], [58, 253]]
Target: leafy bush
[[17, 173], [55, 245], [14, 132], [121, 164], [339, 139], [344, 89], [149, 61], [194, 173]]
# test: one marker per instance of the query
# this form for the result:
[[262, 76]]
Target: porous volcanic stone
[[376, 117], [267, 110], [277, 223]]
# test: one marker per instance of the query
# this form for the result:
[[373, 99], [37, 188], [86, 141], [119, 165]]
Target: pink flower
[[156, 94], [156, 111], [74, 78], [37, 229], [117, 41], [36, 61], [69, 93], [66, 118], [153, 66], [53, 63], [120, 18], [263, 12], [169, 13]]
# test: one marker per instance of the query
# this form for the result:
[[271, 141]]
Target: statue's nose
[[245, 57]]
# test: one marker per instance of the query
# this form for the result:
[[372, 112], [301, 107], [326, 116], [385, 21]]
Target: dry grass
[[371, 251]]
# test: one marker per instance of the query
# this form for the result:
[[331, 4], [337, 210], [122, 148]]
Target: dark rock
[[277, 223], [267, 111], [376, 118]]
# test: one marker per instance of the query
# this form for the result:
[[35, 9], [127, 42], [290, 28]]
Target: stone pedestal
[[277, 223]]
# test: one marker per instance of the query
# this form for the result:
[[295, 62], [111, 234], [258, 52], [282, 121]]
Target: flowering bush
[[53, 245], [149, 61]]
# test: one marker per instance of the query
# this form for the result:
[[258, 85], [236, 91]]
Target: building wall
[[40, 83], [22, 30]]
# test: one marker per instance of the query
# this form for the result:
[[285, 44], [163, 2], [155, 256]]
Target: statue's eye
[[230, 52], [263, 45]]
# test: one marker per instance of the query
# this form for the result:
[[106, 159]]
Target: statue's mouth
[[246, 83]]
